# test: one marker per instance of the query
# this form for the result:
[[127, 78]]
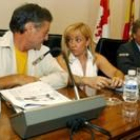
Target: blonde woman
[[77, 43]]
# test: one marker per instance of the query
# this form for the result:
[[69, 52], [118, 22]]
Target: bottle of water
[[131, 91]]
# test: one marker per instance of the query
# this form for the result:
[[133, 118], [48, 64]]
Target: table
[[113, 118]]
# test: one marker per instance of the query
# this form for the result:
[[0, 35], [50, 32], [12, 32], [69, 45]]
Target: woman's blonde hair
[[84, 30]]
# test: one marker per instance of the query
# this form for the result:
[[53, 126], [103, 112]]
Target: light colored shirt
[[138, 45], [91, 70], [48, 70]]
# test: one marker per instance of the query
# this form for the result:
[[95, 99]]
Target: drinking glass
[[129, 111], [111, 101], [138, 71]]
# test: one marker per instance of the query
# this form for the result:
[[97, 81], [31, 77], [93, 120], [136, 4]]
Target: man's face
[[137, 36], [36, 35]]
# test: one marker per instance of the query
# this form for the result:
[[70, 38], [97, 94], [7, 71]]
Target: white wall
[[66, 12]]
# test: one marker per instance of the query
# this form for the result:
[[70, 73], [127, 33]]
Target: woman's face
[[77, 43]]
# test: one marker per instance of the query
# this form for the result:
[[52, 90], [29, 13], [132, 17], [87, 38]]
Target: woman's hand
[[116, 82], [98, 82]]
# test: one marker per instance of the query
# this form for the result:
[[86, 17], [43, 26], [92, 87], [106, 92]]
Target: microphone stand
[[71, 76]]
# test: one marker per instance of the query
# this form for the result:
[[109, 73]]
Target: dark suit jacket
[[128, 56]]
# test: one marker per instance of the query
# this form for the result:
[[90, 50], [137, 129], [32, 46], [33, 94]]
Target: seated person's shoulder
[[44, 48], [125, 45], [125, 48]]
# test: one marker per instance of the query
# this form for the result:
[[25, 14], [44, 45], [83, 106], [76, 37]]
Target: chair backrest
[[2, 31], [54, 41], [108, 48]]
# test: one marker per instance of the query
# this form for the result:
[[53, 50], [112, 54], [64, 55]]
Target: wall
[[66, 12]]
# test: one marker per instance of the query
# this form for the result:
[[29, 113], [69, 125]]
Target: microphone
[[43, 55], [67, 64]]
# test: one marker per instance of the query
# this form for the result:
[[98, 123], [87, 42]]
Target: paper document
[[33, 95]]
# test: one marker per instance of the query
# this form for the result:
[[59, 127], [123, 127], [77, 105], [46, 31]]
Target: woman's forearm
[[119, 74]]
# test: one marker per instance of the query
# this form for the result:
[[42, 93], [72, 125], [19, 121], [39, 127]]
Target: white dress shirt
[[91, 70]]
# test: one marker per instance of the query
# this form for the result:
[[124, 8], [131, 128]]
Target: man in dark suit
[[128, 54]]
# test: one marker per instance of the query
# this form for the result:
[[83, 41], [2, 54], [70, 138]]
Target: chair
[[2, 31], [54, 40], [108, 48]]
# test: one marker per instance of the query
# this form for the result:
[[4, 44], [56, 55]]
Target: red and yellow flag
[[102, 26], [129, 19]]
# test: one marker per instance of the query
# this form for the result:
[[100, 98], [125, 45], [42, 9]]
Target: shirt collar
[[7, 39], [72, 58]]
